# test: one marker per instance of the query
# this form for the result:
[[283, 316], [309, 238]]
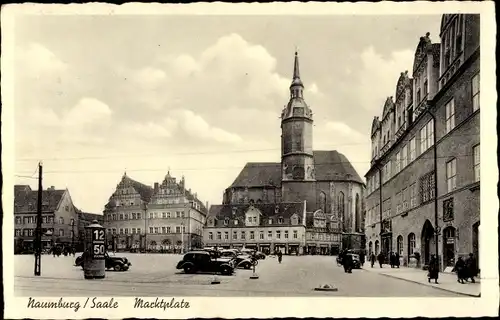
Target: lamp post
[[182, 237], [145, 207], [436, 220], [72, 234]]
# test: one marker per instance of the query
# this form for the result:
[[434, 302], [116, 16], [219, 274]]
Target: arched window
[[400, 245], [322, 201], [61, 220], [411, 244], [377, 247], [358, 213], [341, 211]]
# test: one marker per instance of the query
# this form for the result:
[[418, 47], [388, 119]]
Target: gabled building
[[167, 217], [324, 182], [401, 196], [58, 213]]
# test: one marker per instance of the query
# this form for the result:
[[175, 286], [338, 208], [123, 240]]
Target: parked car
[[204, 261], [111, 262], [240, 260], [260, 255], [355, 259]]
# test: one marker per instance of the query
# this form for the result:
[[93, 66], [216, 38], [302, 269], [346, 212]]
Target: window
[[177, 229], [280, 220], [169, 215], [278, 234], [243, 235], [252, 235], [61, 220], [226, 221], [150, 215], [169, 229], [138, 216], [450, 115], [157, 230], [400, 245], [61, 232], [269, 235], [451, 174], [184, 229], [219, 235], [226, 235], [404, 156], [397, 167], [448, 210], [138, 230], [413, 149], [163, 215], [270, 221], [121, 230], [413, 195], [427, 187], [182, 214], [18, 220], [18, 232], [295, 234], [210, 236], [235, 235], [477, 159], [156, 215], [114, 230], [426, 136], [177, 214], [411, 244], [475, 93], [261, 235], [286, 234], [235, 222], [151, 229]]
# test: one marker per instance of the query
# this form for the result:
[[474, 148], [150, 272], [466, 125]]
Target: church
[[309, 203]]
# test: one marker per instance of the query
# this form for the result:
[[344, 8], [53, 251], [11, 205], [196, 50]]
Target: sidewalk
[[446, 281]]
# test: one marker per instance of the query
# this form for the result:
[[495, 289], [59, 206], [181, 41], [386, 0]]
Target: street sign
[[98, 244]]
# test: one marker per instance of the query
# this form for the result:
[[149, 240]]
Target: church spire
[[296, 88], [296, 70]]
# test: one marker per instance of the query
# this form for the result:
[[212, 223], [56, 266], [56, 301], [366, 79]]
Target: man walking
[[471, 267]]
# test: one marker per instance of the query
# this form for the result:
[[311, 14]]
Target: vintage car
[[240, 260], [205, 261], [355, 259], [111, 262]]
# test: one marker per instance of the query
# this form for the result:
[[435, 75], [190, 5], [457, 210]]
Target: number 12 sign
[[98, 244]]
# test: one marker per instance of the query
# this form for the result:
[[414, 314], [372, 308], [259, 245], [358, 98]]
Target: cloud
[[313, 88], [197, 127], [38, 61], [378, 77], [344, 130], [86, 111]]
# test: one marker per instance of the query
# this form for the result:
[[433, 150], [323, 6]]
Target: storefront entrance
[[475, 242], [449, 246], [428, 241]]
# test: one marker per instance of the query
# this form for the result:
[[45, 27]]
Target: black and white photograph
[[155, 159]]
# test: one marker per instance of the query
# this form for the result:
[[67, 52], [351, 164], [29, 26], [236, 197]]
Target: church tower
[[296, 134]]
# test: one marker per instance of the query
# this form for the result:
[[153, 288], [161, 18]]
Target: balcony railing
[[386, 147], [420, 108]]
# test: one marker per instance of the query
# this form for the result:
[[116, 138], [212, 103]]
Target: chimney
[[206, 205], [157, 187], [52, 188]]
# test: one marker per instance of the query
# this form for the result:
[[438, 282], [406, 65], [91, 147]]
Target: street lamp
[[72, 234], [182, 237], [145, 208]]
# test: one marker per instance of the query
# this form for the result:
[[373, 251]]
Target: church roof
[[329, 166], [258, 174], [26, 200]]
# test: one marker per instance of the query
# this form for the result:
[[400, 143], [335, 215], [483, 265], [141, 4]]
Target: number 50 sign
[[98, 244]]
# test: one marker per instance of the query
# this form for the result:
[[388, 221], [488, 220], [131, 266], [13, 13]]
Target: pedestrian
[[347, 262], [280, 256], [372, 259], [471, 267], [391, 259], [396, 257], [433, 273], [461, 270], [380, 259], [362, 258]]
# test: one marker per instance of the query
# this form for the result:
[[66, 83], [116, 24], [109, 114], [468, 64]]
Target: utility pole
[[38, 231], [182, 237], [73, 234]]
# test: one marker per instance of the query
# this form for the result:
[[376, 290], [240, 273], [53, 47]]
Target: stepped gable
[[333, 166]]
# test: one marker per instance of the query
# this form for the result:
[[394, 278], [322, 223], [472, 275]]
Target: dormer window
[[226, 221], [280, 220], [235, 222], [270, 221]]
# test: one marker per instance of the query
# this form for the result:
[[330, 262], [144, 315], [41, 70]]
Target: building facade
[[323, 181], [60, 218], [168, 217], [429, 133]]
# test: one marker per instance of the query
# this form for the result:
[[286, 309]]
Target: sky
[[96, 96]]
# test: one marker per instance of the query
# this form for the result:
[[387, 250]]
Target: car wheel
[[117, 267], [188, 269], [226, 270], [247, 265]]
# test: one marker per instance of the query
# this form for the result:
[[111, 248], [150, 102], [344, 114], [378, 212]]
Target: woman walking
[[433, 270]]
